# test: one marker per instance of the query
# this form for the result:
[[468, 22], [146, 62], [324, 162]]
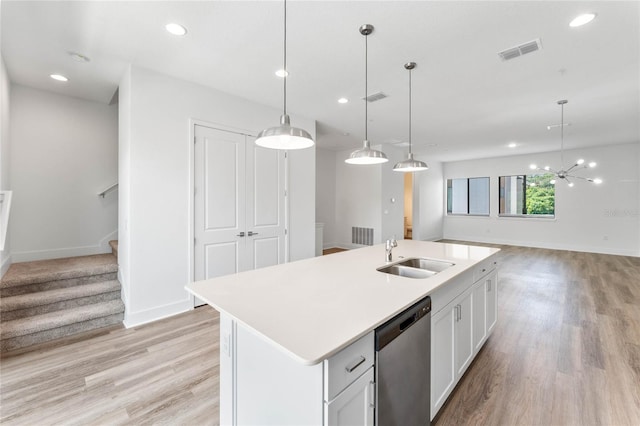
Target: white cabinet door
[[479, 299], [443, 373], [462, 334], [354, 406], [491, 285]]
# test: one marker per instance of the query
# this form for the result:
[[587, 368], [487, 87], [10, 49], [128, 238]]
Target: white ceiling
[[467, 103]]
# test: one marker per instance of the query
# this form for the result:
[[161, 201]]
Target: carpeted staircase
[[50, 299]]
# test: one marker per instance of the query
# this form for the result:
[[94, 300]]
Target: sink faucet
[[390, 244]]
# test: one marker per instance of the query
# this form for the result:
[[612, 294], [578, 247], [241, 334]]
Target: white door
[[239, 204], [443, 373], [265, 206], [354, 406], [463, 346], [479, 315]]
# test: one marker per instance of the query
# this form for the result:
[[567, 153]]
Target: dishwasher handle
[[397, 325], [406, 323]]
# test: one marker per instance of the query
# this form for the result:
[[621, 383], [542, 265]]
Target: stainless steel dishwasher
[[403, 367]]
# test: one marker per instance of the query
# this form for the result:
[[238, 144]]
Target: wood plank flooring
[[565, 351]]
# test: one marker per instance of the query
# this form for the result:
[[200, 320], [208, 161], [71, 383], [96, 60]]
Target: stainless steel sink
[[416, 267]]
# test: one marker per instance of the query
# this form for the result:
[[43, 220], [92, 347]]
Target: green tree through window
[[541, 194]]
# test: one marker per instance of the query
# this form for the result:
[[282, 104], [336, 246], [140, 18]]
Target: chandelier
[[562, 173]]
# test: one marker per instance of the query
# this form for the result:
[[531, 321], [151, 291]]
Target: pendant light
[[366, 155], [284, 136], [410, 165], [570, 172]]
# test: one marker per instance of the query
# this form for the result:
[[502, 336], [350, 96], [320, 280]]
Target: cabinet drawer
[[346, 366], [484, 267]]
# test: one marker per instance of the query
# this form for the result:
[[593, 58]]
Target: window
[[527, 195], [468, 196]]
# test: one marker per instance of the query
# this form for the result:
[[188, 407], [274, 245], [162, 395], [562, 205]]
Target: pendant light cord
[[562, 136], [285, 58], [366, 112], [409, 111]]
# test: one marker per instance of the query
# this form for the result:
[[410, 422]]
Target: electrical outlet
[[606, 238]]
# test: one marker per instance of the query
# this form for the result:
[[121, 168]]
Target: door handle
[[240, 234], [252, 233]]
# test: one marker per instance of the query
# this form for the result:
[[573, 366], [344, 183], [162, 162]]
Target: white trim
[[5, 266], [58, 253], [159, 312], [545, 245]]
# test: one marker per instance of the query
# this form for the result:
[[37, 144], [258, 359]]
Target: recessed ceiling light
[[512, 145], [176, 29], [59, 77], [78, 57], [343, 100], [580, 20], [282, 73]]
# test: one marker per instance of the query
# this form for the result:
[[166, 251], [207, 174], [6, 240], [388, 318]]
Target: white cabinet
[[354, 406], [463, 346], [460, 328], [491, 287], [452, 348], [479, 315], [443, 373], [262, 385]]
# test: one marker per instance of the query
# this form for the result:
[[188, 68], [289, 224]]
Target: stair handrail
[[110, 188]]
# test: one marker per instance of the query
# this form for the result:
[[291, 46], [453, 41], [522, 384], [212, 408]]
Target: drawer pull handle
[[355, 364]]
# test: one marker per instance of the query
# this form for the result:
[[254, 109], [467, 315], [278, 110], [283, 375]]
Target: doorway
[[408, 206], [239, 204]]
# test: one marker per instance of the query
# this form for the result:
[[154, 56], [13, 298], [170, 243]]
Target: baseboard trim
[[549, 246], [154, 314], [100, 248]]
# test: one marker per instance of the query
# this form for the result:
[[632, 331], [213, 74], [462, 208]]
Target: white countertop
[[313, 308]]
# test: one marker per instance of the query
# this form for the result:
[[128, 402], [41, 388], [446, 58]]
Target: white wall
[[595, 218], [5, 152], [358, 199], [156, 216], [392, 194], [63, 152], [125, 117], [326, 195], [428, 208]]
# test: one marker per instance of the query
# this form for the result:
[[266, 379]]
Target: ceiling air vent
[[375, 97], [523, 49]]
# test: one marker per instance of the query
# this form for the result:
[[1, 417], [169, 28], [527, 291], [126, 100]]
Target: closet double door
[[239, 204]]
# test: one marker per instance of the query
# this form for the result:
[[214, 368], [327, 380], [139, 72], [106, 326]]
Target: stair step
[[22, 342], [114, 247], [21, 306], [43, 271], [58, 319]]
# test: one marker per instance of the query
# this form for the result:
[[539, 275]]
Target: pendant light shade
[[366, 155], [410, 164], [284, 136]]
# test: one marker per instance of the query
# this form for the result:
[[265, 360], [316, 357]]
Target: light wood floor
[[566, 351]]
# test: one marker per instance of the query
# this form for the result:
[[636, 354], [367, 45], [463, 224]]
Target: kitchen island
[[286, 330]]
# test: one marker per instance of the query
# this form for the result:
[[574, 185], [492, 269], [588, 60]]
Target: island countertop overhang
[[313, 308]]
